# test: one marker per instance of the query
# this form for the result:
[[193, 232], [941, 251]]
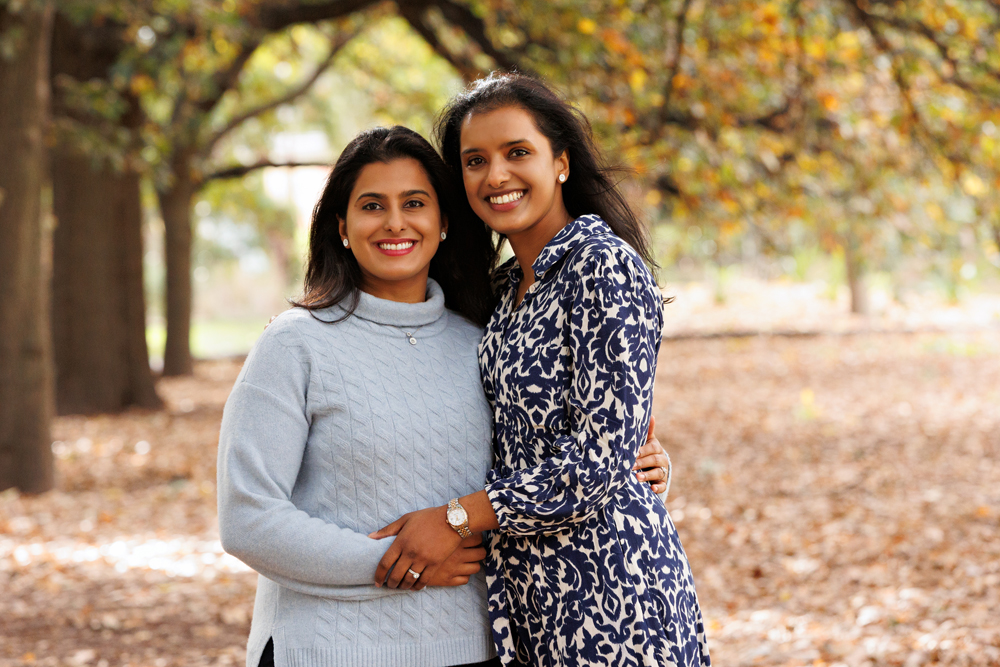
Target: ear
[[562, 163], [444, 223], [342, 226]]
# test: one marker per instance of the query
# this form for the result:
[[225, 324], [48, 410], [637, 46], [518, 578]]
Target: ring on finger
[[416, 575]]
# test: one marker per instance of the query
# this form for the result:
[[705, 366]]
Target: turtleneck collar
[[399, 314]]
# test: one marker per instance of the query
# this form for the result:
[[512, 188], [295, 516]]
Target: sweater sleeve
[[614, 338], [265, 427]]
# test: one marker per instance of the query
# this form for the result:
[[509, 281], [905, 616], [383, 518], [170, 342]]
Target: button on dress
[[587, 567]]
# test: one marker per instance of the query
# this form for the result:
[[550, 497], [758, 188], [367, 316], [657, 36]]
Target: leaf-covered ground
[[838, 496]]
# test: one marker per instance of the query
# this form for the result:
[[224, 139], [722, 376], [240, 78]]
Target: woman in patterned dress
[[585, 566]]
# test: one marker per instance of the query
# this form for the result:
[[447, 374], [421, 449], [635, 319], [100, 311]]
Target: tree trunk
[[99, 319], [854, 263], [175, 206], [99, 308], [25, 351]]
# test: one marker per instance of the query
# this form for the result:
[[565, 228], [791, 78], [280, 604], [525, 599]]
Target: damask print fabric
[[587, 567]]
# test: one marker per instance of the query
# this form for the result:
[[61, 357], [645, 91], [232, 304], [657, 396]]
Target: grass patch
[[209, 340]]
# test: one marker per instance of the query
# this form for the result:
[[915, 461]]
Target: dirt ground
[[838, 497]]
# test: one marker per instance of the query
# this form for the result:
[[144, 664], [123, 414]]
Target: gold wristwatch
[[458, 518]]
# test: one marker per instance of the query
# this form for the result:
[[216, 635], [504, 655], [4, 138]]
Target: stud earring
[[444, 235], [562, 178], [347, 244]]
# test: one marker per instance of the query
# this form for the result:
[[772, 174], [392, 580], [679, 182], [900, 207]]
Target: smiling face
[[512, 178], [393, 225]]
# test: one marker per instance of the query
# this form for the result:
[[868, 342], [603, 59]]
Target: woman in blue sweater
[[362, 404], [585, 566]]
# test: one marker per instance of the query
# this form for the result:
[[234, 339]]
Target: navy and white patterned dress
[[587, 568]]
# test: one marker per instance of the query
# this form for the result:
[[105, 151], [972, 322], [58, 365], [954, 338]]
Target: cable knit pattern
[[331, 432]]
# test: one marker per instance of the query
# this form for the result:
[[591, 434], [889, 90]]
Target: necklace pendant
[[413, 341]]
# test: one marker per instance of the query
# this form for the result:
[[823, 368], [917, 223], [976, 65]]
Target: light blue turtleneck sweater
[[331, 432]]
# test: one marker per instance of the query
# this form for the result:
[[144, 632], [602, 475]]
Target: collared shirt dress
[[587, 567]]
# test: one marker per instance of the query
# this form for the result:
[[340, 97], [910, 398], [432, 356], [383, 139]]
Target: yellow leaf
[[808, 397], [637, 80], [829, 101], [816, 48], [682, 81], [141, 83], [973, 185], [586, 26], [934, 210]]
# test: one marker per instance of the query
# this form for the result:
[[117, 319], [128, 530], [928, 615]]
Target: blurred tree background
[[839, 139]]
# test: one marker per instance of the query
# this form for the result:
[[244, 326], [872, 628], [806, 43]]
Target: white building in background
[[300, 187]]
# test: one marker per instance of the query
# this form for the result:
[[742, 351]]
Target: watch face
[[457, 516]]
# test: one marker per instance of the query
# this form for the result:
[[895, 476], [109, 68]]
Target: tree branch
[[415, 14], [885, 48], [928, 33], [675, 65], [226, 79], [776, 120], [336, 44], [274, 18], [474, 27], [238, 171]]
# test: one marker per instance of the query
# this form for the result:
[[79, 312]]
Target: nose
[[394, 221], [498, 174]]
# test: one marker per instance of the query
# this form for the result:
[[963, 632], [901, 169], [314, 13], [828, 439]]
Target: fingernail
[[641, 475]]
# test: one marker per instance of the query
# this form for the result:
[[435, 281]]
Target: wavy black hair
[[592, 186], [462, 264]]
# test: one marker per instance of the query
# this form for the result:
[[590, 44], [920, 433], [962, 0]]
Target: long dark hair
[[461, 265], [592, 186]]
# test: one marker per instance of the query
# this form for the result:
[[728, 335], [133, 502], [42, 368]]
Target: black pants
[[267, 658]]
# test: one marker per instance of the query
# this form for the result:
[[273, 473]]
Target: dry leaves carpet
[[838, 496]]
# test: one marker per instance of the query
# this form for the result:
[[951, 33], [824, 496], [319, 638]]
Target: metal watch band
[[463, 530]]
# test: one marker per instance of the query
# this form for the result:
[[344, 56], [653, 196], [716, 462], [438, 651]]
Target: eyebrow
[[504, 145], [380, 196]]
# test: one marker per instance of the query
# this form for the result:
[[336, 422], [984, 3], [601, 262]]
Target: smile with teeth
[[507, 198], [389, 245]]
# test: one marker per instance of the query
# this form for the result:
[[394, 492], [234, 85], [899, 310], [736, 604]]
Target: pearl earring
[[347, 244], [562, 178], [444, 235]]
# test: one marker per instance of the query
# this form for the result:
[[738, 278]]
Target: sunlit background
[[820, 179]]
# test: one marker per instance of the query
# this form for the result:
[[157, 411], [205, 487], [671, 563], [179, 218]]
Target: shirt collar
[[567, 239]]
